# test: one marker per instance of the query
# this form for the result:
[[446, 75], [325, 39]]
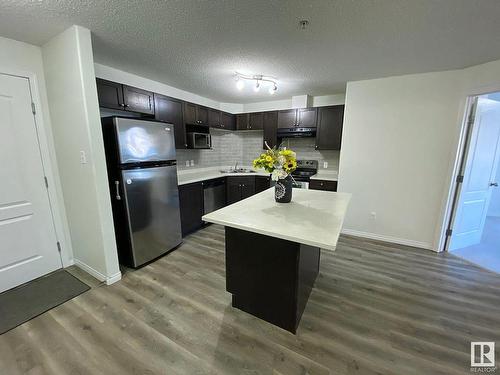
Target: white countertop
[[188, 176], [313, 217], [327, 175]]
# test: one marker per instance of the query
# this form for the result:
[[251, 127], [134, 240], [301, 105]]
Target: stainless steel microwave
[[199, 140]]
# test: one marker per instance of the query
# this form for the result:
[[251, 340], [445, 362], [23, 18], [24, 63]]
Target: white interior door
[[480, 170], [28, 244]]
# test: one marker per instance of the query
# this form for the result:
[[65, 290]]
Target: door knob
[[495, 184]]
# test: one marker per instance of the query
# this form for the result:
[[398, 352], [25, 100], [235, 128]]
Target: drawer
[[323, 185]]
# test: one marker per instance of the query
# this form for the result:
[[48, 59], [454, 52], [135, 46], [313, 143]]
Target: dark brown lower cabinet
[[268, 277], [191, 206], [323, 185], [262, 183], [239, 187]]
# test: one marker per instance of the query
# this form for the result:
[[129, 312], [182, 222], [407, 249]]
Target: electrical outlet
[[187, 163], [325, 164], [83, 157], [373, 214], [192, 163]]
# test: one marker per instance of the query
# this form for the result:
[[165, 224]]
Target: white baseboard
[[99, 276], [114, 278], [380, 237]]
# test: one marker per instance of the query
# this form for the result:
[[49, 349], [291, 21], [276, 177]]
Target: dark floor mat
[[29, 300]]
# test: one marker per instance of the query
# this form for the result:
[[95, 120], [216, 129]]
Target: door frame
[[49, 166], [459, 163]]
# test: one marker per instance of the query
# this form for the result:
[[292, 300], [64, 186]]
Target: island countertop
[[313, 217]]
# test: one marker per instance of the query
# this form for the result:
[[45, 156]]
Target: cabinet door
[[110, 94], [323, 185], [201, 115], [138, 100], [214, 118], [170, 110], [262, 183], [242, 121], [287, 118], [191, 205], [247, 187], [256, 121], [306, 117], [233, 190], [228, 121], [189, 113], [270, 127], [329, 131]]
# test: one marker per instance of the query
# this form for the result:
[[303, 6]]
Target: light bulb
[[257, 87], [240, 84], [272, 90]]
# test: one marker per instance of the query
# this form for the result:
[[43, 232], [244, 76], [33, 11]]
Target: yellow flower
[[269, 159]]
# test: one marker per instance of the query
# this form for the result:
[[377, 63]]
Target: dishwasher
[[214, 195]]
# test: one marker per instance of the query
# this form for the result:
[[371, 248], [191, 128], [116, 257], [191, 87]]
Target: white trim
[[50, 169], [380, 237], [99, 276], [114, 278]]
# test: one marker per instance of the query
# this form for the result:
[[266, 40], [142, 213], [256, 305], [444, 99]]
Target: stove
[[302, 175]]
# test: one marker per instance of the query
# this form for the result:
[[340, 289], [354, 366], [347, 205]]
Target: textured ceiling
[[197, 45]]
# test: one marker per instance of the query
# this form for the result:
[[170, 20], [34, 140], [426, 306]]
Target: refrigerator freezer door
[[152, 202], [144, 141]]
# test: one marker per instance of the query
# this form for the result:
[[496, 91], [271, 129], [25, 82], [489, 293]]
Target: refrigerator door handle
[[117, 185]]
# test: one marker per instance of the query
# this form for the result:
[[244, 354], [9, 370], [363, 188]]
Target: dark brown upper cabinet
[[110, 94], [250, 121], [127, 98], [287, 118], [170, 110], [214, 118], [303, 117], [306, 117], [242, 121], [329, 130], [195, 114], [270, 120], [138, 100], [228, 121], [256, 121]]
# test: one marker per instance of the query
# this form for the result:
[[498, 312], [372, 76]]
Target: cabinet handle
[[117, 186], [495, 184]]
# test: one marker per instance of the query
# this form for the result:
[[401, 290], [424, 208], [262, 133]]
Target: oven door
[[300, 182]]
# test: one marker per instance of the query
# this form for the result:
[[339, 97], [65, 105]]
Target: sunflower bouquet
[[280, 162]]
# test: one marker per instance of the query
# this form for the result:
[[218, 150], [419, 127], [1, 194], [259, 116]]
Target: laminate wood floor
[[375, 309]]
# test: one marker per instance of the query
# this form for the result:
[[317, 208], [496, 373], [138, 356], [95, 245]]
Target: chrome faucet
[[236, 166]]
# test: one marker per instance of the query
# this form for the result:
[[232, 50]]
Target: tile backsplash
[[242, 147]]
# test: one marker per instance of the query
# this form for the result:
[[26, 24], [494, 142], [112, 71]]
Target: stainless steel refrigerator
[[142, 171]]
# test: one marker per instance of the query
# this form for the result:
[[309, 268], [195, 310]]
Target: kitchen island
[[273, 250]]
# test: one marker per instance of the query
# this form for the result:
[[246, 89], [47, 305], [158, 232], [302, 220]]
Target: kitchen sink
[[238, 170]]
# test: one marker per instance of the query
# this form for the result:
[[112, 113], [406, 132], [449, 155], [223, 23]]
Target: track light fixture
[[259, 80]]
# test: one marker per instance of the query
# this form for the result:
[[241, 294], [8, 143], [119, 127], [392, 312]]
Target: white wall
[[399, 148], [26, 60], [74, 109], [396, 148]]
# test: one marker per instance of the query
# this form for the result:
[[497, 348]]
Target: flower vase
[[283, 190]]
